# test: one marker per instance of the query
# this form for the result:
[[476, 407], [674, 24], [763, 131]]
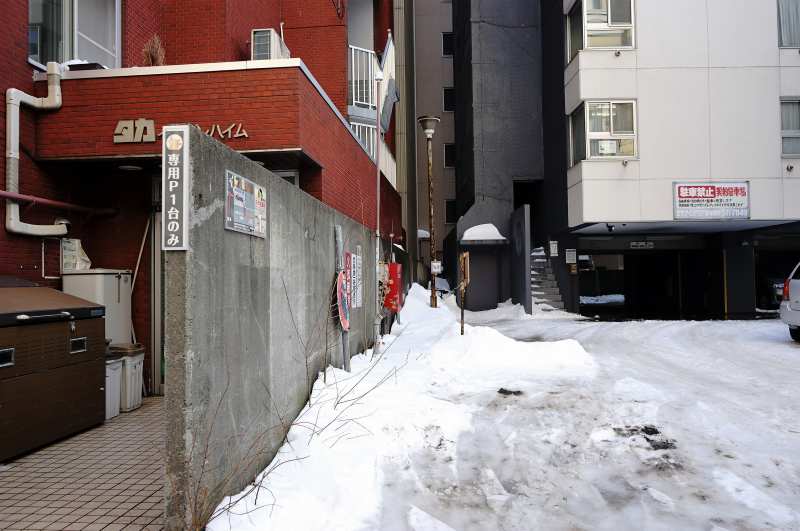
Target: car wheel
[[795, 333]]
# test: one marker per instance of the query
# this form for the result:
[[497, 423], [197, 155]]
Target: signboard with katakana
[[721, 200], [175, 189]]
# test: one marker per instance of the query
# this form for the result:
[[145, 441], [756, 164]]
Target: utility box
[[110, 288]]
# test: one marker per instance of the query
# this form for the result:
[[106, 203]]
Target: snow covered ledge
[[486, 234]]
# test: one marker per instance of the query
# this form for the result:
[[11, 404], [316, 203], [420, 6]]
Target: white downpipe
[[14, 99], [378, 319]]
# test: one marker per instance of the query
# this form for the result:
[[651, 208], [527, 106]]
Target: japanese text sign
[[711, 201], [175, 189]]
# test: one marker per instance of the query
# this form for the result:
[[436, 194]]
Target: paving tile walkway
[[110, 477]]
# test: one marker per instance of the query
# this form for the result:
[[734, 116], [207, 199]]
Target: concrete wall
[[245, 327], [505, 107]]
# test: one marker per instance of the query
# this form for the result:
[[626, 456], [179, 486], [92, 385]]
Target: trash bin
[[132, 368], [113, 379]]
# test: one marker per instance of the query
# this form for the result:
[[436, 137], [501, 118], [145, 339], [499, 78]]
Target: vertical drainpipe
[[14, 99]]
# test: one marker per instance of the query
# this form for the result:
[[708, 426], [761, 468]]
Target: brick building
[[306, 112]]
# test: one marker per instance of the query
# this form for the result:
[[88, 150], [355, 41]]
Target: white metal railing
[[362, 65], [367, 135]]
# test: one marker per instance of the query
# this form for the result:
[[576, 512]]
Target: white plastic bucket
[[131, 391], [113, 381]]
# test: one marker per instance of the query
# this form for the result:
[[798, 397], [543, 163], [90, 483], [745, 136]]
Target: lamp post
[[428, 124]]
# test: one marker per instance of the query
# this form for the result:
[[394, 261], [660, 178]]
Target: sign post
[[463, 266]]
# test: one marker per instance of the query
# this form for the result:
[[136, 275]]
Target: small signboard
[[245, 205], [571, 256], [357, 279], [342, 302], [643, 245], [553, 248], [436, 267], [175, 189], [711, 201]]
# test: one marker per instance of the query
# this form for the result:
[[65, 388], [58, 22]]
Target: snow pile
[[384, 447], [485, 232]]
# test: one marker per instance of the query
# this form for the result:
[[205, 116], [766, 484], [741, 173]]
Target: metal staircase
[[544, 287]]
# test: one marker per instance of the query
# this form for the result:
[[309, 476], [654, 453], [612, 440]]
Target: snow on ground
[[664, 426], [419, 438]]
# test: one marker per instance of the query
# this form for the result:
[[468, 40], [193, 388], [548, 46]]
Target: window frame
[[72, 8], [453, 44], [568, 33], [611, 135], [610, 26], [788, 133], [444, 99], [780, 34]]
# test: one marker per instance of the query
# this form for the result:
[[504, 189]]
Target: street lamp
[[428, 124]]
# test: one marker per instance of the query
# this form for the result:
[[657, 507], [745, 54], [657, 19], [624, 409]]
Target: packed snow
[[485, 232], [614, 298], [515, 426]]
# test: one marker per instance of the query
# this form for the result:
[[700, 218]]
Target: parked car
[[790, 307]]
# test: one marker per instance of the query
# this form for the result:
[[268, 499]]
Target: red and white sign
[[711, 201]]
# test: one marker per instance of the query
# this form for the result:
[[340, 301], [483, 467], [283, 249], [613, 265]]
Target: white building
[[683, 117]]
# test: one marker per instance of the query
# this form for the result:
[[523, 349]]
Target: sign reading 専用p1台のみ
[[175, 188], [245, 205]]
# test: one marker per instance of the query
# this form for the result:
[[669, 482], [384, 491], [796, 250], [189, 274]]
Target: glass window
[[451, 212], [449, 155], [449, 99], [609, 23], [63, 30], [789, 23], [575, 31], [578, 131], [448, 44], [611, 128], [790, 126]]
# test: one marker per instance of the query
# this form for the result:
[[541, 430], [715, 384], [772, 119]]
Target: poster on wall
[[355, 277], [343, 305], [711, 201], [245, 205]]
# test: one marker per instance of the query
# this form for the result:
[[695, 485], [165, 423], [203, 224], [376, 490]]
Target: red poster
[[394, 293], [341, 299]]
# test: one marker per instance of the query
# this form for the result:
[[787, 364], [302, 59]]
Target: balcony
[[362, 66]]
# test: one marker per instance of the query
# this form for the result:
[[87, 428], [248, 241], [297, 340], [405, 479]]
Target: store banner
[[393, 300], [711, 201], [175, 189]]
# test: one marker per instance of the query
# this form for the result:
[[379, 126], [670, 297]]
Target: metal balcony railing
[[362, 65]]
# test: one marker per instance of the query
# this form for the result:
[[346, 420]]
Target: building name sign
[[711, 201], [143, 130], [175, 188]]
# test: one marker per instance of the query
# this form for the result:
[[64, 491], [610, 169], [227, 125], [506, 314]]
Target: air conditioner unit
[[267, 44]]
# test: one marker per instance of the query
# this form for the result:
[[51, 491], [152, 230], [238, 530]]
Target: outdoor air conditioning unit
[[267, 44]]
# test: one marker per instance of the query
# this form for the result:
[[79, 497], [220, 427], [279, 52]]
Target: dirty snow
[[665, 425]]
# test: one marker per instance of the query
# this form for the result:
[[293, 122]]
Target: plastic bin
[[113, 380], [132, 369]]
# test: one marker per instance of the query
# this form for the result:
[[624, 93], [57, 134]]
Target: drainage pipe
[[14, 99]]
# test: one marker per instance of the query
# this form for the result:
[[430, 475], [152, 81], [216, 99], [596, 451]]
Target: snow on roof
[[485, 232], [422, 234]]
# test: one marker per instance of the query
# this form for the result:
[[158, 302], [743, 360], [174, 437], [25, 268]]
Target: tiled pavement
[[110, 477]]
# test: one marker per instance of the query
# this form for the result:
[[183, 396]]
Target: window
[[790, 127], [367, 135], [449, 155], [577, 126], [609, 23], [449, 99], [574, 31], [450, 211], [62, 30], [789, 23], [448, 45], [608, 127]]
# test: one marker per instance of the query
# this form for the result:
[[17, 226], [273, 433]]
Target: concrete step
[[545, 283], [547, 291]]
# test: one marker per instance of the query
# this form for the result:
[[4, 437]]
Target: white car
[[790, 307]]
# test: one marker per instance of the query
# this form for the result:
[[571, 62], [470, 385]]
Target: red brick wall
[[383, 15], [317, 34], [141, 20], [242, 17]]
